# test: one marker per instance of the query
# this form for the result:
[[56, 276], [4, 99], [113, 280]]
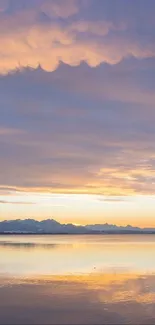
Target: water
[[77, 279], [76, 254]]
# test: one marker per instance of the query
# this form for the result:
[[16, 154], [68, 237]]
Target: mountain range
[[51, 226]]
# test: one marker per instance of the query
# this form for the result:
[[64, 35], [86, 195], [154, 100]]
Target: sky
[[77, 111]]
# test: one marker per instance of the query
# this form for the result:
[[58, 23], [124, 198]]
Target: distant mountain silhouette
[[51, 226], [108, 227], [34, 226]]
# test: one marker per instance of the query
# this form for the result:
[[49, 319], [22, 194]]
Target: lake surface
[[77, 279], [76, 254]]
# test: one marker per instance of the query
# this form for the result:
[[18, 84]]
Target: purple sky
[[77, 103]]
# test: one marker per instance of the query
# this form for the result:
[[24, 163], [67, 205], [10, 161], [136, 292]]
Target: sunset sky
[[77, 111]]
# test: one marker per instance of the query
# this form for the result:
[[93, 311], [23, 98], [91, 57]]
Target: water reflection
[[77, 279], [95, 299], [14, 245]]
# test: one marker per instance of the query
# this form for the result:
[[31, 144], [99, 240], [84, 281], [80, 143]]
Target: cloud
[[66, 127], [60, 8], [100, 28], [10, 131], [68, 135], [27, 41], [3, 5], [114, 199], [16, 202]]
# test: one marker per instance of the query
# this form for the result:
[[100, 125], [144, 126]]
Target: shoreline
[[80, 234]]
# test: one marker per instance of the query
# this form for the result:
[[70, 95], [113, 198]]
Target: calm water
[[77, 279], [76, 254]]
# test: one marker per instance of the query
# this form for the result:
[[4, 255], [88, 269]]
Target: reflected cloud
[[112, 299]]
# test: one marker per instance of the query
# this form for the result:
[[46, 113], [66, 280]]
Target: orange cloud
[[27, 42]]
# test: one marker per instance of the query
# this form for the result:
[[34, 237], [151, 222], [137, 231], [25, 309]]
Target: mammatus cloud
[[59, 8], [26, 40]]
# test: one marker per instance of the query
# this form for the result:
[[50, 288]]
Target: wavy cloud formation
[[50, 32]]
